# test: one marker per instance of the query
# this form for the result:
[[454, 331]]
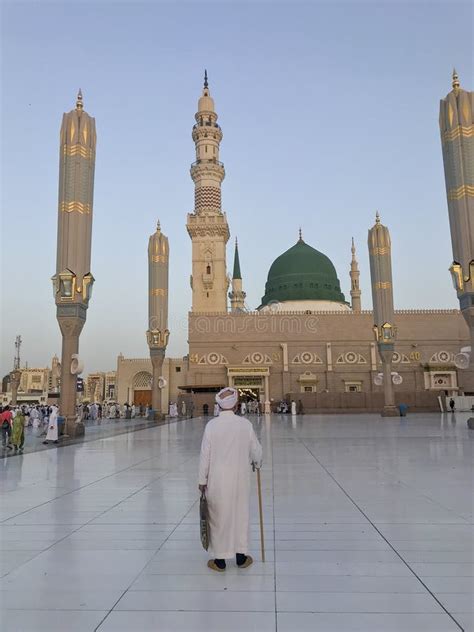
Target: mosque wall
[[135, 374], [329, 359]]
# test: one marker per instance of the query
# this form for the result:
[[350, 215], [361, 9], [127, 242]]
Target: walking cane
[[260, 510]]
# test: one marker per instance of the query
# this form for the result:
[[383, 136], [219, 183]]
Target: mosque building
[[305, 341]]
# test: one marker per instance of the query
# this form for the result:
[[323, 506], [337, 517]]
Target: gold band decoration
[[463, 191], [382, 285], [380, 251], [79, 207], [158, 291], [77, 150], [159, 259], [466, 131]]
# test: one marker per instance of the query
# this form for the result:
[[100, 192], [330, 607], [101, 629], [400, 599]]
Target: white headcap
[[227, 398]]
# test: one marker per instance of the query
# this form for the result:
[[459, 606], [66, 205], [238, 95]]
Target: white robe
[[293, 408], [229, 445], [53, 426], [173, 410]]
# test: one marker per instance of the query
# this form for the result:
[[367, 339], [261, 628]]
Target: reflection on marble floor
[[368, 526]]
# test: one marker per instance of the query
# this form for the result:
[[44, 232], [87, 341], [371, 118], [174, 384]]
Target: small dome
[[302, 273]]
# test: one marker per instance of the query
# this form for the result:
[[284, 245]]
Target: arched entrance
[[141, 386]]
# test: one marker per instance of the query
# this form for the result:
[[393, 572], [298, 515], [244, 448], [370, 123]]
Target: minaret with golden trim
[[380, 257], [207, 224], [158, 334], [73, 279], [355, 274], [456, 121]]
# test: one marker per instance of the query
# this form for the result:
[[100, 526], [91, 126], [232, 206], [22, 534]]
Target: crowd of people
[[14, 420]]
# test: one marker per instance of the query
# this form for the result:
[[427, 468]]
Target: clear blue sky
[[329, 112]]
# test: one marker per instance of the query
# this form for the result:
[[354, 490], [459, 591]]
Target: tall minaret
[[207, 225], [237, 296], [157, 334], [456, 121], [355, 274], [73, 279], [380, 257]]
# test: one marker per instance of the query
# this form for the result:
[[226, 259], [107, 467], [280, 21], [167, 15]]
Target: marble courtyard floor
[[368, 526]]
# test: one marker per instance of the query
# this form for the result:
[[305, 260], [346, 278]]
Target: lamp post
[[382, 297], [15, 375], [456, 120], [157, 334], [73, 281]]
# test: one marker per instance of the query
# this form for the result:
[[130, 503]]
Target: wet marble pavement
[[368, 526]]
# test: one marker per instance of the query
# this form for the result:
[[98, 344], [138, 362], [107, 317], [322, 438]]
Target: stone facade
[[134, 380], [328, 360]]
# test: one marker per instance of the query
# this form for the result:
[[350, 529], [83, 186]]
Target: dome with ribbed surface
[[302, 273]]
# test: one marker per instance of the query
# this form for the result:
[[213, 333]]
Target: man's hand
[[202, 488]]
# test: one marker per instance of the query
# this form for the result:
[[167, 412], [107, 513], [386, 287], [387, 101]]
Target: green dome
[[302, 273]]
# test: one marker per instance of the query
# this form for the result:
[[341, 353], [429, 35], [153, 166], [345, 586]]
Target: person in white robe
[[293, 408], [183, 408], [52, 434], [229, 447], [216, 410], [35, 418], [173, 409], [243, 408]]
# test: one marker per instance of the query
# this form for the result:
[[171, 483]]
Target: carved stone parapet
[[200, 132], [206, 169], [208, 225]]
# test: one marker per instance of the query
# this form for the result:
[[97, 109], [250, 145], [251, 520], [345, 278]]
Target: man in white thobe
[[52, 434], [229, 446]]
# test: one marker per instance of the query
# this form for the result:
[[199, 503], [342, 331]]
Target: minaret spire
[[209, 280], [354, 275], [236, 272], [79, 102], [237, 295]]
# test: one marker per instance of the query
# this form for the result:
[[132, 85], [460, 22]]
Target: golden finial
[[236, 242], [377, 217], [456, 83], [79, 103], [206, 83], [158, 226], [300, 235]]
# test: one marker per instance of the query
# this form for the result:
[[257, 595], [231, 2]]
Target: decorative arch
[[142, 380]]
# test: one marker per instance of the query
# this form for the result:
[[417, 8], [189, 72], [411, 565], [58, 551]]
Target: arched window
[[208, 269], [142, 380]]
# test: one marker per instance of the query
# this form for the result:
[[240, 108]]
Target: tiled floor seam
[[95, 517], [382, 536], [73, 491], [274, 534], [142, 570]]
